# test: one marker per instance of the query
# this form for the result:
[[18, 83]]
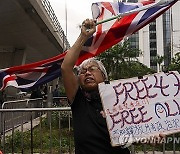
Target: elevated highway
[[29, 32]]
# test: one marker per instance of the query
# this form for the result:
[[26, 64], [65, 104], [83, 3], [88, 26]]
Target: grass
[[42, 140]]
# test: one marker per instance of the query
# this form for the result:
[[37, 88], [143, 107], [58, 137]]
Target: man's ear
[[103, 75]]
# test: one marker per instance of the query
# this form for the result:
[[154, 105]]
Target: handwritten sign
[[137, 108]]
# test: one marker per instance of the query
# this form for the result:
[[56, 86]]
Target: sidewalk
[[26, 126]]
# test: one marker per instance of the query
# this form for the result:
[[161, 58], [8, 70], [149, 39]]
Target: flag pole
[[161, 2]]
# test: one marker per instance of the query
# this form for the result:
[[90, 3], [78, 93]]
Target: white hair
[[99, 63]]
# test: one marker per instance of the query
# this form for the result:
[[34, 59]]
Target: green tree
[[159, 60], [121, 62], [175, 63]]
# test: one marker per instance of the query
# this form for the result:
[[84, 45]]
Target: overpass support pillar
[[11, 56]]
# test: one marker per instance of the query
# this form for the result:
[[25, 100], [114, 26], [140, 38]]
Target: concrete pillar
[[19, 56], [11, 56], [6, 53], [144, 45]]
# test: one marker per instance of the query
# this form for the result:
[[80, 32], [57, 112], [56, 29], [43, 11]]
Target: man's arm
[[70, 80]]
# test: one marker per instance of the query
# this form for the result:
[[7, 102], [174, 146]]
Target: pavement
[[26, 126]]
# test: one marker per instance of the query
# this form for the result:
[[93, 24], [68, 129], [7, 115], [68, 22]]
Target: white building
[[160, 37]]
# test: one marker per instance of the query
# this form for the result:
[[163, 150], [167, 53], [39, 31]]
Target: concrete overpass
[[29, 32]]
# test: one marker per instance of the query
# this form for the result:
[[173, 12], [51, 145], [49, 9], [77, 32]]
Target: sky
[[77, 12]]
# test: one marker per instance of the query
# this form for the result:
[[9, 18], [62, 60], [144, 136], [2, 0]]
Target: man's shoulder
[[79, 97]]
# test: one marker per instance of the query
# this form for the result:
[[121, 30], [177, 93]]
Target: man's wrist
[[82, 39]]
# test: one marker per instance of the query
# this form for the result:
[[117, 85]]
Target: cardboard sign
[[137, 108]]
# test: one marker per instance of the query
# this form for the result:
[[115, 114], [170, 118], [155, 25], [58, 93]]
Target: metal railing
[[15, 119], [32, 128], [56, 120]]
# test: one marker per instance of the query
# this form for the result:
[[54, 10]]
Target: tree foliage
[[175, 63], [159, 60], [121, 62]]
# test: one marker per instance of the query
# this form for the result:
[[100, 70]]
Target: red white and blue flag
[[108, 34], [29, 76]]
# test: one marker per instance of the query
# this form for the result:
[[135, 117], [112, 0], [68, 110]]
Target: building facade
[[159, 38]]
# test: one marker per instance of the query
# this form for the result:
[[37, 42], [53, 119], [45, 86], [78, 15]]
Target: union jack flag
[[108, 34], [28, 76], [114, 31]]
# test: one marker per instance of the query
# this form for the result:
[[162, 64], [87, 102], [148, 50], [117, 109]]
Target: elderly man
[[90, 128]]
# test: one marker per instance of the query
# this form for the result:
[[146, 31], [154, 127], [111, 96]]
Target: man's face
[[90, 76]]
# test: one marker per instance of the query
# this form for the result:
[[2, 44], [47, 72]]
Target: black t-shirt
[[90, 129]]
